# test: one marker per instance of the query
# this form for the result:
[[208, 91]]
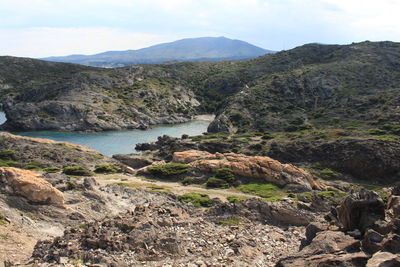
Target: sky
[[41, 28]]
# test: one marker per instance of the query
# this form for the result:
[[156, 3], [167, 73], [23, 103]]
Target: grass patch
[[105, 168], [77, 171], [198, 200], [269, 192], [230, 221], [170, 169], [126, 185]]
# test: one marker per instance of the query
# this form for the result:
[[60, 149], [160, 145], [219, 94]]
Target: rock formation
[[368, 236], [256, 167], [30, 185]]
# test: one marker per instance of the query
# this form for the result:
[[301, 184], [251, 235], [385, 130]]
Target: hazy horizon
[[44, 28]]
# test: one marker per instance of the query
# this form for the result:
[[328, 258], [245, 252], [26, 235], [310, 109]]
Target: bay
[[120, 142]]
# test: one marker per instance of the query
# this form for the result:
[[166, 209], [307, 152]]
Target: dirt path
[[173, 187]]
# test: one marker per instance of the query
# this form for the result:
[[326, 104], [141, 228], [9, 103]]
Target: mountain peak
[[188, 49]]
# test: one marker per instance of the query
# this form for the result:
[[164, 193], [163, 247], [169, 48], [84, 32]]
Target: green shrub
[[7, 154], [170, 169], [225, 174], [98, 156], [297, 121], [392, 128], [329, 174], [198, 200], [267, 136], [234, 199], [71, 185], [187, 180], [33, 165], [52, 169], [8, 163], [105, 168], [376, 132], [214, 182], [77, 171], [335, 120]]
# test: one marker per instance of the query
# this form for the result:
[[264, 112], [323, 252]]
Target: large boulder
[[30, 185], [277, 213], [384, 259], [257, 167], [360, 211], [328, 248], [133, 160]]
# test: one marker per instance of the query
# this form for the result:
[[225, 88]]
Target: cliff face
[[312, 86]]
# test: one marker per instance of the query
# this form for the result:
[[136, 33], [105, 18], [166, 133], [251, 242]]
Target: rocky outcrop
[[257, 167], [133, 160], [39, 153], [285, 212], [368, 159], [368, 236], [30, 185]]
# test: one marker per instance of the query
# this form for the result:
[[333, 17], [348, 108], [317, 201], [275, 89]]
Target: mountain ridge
[[189, 49]]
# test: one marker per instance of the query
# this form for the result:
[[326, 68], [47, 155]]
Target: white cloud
[[369, 19], [58, 27], [42, 42]]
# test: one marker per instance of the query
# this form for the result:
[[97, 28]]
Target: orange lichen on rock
[[30, 185]]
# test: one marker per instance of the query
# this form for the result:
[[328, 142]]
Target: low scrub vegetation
[[7, 154], [105, 168], [329, 174], [52, 169], [9, 163], [170, 169], [235, 199], [223, 178], [77, 171], [198, 200]]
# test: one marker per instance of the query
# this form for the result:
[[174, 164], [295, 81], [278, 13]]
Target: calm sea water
[[2, 117], [120, 142]]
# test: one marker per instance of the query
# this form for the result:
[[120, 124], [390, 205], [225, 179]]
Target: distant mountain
[[193, 49]]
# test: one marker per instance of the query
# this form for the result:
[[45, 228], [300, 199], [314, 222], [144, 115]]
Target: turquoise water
[[120, 142], [2, 118]]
